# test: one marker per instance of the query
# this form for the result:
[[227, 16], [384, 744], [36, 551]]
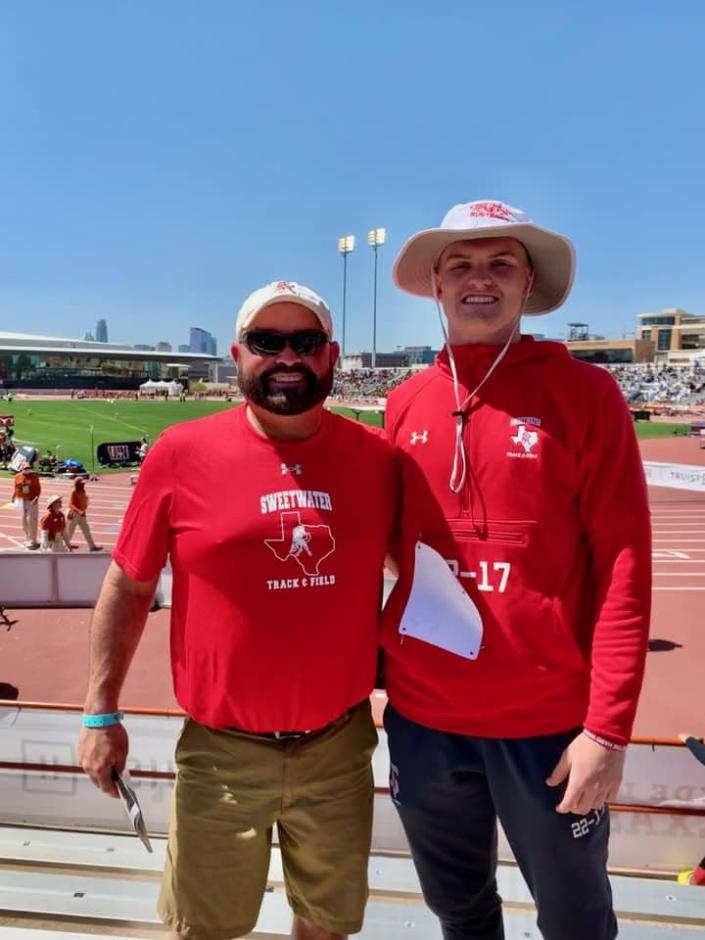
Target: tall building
[[163, 346], [89, 337], [184, 347], [101, 331], [202, 342]]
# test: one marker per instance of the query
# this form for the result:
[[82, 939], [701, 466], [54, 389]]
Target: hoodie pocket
[[485, 560], [524, 620]]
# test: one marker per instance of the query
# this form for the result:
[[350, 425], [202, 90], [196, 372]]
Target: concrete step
[[111, 879]]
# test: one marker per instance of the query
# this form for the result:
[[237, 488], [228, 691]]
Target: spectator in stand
[[27, 490], [78, 504], [659, 383], [7, 448], [53, 526], [367, 385]]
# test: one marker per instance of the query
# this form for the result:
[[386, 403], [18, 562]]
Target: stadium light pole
[[376, 237], [92, 453], [346, 245]]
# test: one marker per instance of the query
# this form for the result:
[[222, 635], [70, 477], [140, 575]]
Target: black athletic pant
[[449, 790]]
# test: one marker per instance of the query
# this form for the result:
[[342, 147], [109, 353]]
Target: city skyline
[[529, 328]]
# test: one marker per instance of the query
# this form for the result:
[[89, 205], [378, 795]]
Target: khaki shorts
[[231, 788]]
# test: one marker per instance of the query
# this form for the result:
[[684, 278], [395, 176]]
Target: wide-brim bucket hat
[[552, 255]]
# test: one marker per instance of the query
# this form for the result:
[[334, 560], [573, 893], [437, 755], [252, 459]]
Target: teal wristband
[[102, 721]]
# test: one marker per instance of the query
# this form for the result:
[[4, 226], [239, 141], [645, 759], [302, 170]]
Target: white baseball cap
[[279, 292], [52, 500], [552, 255]]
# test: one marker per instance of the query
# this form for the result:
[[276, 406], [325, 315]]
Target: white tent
[[173, 389]]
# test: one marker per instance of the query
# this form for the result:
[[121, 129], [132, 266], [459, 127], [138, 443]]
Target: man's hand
[[594, 775], [101, 749]]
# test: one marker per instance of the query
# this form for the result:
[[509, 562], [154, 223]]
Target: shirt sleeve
[[145, 536], [615, 516]]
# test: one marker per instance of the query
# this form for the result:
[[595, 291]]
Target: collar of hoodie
[[473, 360]]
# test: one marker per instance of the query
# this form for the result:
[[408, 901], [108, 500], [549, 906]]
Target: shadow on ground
[[663, 646]]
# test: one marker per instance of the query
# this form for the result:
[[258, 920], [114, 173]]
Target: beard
[[286, 401]]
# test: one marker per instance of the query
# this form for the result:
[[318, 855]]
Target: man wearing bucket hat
[[515, 698], [275, 605]]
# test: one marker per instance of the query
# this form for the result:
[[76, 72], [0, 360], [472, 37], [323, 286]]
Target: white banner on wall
[[678, 476]]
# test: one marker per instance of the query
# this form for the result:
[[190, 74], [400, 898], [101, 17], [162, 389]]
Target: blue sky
[[159, 160]]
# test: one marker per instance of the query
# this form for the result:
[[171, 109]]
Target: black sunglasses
[[272, 342]]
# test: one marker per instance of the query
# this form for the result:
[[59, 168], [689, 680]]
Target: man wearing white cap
[[514, 699], [276, 588]]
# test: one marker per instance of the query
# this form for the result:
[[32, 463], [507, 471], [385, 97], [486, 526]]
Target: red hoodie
[[550, 536]]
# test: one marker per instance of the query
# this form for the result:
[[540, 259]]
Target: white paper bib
[[439, 610]]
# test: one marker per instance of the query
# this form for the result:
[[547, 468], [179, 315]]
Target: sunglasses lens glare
[[271, 342], [265, 342], [307, 342]]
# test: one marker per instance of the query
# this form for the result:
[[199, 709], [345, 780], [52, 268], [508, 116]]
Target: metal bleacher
[[105, 882], [68, 868]]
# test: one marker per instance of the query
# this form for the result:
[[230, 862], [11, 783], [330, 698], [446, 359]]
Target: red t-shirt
[[277, 550]]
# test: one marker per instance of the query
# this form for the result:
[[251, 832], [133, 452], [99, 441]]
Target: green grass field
[[64, 427]]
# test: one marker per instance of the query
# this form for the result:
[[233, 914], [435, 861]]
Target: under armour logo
[[419, 437], [286, 287], [295, 468]]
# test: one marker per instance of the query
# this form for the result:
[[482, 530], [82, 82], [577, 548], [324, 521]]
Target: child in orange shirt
[[53, 526]]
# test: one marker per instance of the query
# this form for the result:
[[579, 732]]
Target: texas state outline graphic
[[308, 545]]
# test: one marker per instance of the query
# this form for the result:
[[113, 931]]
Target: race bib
[[439, 610]]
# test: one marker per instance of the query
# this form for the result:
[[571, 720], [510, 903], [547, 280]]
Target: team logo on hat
[[491, 210], [285, 287]]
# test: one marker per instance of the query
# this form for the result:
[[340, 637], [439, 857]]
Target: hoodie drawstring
[[458, 473]]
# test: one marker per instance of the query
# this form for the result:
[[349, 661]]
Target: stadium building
[[672, 337], [50, 362], [678, 337]]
